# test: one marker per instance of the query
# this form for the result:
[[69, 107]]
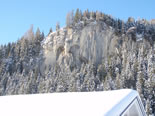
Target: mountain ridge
[[94, 52]]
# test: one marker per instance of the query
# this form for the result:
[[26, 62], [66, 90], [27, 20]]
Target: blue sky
[[16, 16]]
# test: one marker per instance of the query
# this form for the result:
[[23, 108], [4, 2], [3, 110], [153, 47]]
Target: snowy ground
[[67, 104]]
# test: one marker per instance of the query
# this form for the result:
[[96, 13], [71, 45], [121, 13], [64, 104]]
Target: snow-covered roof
[[108, 103]]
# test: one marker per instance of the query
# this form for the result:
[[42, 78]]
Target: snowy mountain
[[94, 52]]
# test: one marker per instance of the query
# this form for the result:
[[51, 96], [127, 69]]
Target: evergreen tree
[[38, 34], [98, 15], [140, 84], [147, 107], [50, 31], [106, 83], [57, 26], [92, 15], [70, 19], [118, 82], [29, 34], [77, 16], [86, 14]]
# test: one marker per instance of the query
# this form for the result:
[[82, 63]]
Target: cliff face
[[81, 44]]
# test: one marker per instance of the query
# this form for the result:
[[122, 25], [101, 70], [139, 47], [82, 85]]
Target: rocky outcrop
[[82, 44]]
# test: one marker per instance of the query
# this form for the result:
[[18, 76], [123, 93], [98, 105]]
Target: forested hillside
[[94, 52]]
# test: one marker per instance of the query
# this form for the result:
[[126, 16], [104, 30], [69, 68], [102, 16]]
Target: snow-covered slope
[[69, 104]]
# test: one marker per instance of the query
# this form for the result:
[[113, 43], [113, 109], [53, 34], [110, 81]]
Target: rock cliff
[[81, 44]]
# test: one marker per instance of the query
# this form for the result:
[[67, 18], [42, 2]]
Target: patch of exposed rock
[[81, 44]]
